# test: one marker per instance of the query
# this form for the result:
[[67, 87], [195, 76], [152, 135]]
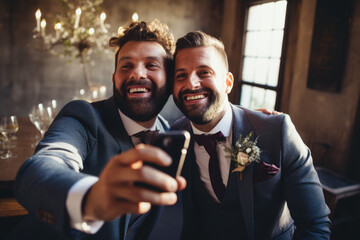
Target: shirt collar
[[133, 127], [224, 125]]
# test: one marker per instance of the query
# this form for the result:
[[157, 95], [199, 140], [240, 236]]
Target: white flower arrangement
[[243, 153]]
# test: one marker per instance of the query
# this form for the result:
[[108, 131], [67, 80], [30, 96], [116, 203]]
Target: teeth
[[189, 98], [138, 90]]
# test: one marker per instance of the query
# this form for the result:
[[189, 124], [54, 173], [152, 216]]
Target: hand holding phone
[[175, 143]]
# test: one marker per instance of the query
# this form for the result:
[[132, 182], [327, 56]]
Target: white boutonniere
[[243, 153]]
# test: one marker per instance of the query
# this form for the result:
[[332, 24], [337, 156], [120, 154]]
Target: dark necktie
[[209, 143], [145, 136]]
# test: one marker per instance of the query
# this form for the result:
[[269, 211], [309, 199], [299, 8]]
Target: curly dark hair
[[153, 31]]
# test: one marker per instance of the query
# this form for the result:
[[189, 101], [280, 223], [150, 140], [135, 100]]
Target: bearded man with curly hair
[[80, 183]]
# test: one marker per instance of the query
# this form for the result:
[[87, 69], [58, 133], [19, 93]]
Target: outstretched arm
[[116, 192]]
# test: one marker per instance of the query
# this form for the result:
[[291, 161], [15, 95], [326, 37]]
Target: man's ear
[[229, 82]]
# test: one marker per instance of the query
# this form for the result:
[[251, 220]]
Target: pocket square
[[265, 171]]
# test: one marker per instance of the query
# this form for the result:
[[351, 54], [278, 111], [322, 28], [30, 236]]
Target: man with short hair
[[263, 186], [81, 181]]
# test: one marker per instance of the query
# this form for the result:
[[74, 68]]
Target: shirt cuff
[[73, 206]]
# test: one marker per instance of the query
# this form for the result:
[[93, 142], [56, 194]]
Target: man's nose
[[138, 72], [193, 81]]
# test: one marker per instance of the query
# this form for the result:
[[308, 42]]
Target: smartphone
[[175, 143]]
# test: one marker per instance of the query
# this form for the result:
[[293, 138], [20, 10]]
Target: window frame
[[278, 89]]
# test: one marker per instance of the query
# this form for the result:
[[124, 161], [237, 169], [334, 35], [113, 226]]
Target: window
[[262, 53]]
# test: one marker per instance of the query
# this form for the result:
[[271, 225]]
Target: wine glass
[[8, 125], [54, 107], [41, 116]]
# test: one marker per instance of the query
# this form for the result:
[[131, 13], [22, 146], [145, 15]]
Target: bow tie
[[203, 139], [145, 136]]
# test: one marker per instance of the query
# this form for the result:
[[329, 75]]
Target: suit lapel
[[245, 186], [115, 126], [116, 129]]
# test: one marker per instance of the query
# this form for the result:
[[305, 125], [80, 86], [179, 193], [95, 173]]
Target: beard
[[200, 114], [141, 109]]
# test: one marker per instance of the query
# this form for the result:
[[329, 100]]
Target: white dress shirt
[[79, 189], [202, 157]]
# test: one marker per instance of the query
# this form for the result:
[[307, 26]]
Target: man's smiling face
[[140, 87], [201, 84]]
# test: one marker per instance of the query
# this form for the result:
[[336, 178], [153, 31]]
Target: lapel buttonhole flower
[[243, 153]]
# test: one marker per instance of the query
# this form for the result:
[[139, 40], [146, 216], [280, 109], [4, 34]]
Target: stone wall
[[324, 117], [29, 76]]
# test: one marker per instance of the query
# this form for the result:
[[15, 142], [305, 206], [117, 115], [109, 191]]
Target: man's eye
[[180, 76], [152, 65], [204, 73], [125, 66]]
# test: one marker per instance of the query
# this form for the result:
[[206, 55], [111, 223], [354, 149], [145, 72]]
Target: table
[[23, 149]]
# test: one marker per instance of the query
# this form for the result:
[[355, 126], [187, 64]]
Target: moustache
[[144, 82]]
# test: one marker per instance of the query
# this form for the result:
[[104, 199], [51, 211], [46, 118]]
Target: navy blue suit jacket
[[79, 142], [286, 206]]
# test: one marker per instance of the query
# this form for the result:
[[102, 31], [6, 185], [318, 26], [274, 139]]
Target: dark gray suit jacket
[[79, 142], [288, 205]]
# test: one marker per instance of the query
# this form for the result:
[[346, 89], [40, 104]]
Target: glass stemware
[[54, 107], [41, 115], [8, 125]]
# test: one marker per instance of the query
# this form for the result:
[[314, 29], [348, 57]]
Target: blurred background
[[269, 59], [300, 57]]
